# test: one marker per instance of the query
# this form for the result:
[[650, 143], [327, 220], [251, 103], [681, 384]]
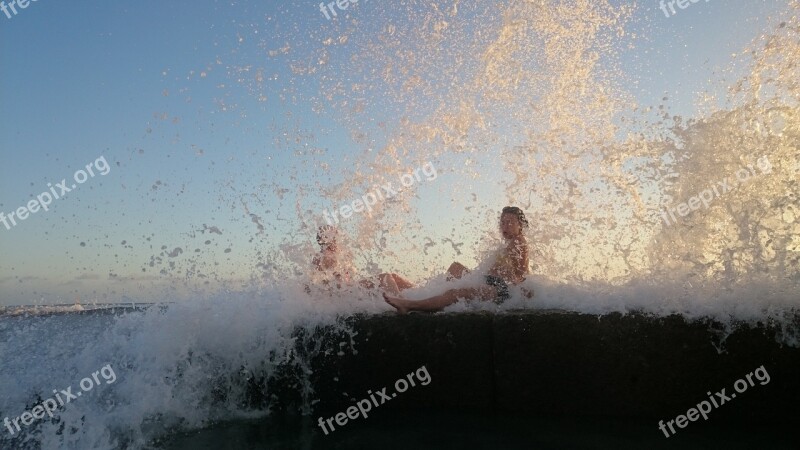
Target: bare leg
[[439, 302], [393, 283], [401, 282], [388, 283], [456, 270]]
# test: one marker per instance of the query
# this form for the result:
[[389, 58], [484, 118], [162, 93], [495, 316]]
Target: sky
[[208, 139]]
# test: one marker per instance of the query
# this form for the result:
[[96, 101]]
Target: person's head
[[326, 236], [512, 221]]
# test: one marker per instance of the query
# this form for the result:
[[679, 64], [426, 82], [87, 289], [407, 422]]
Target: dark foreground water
[[459, 430]]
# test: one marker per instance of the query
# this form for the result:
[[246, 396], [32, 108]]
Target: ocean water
[[184, 376]]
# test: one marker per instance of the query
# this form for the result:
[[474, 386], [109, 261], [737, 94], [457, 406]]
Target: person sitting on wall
[[510, 267], [326, 262], [330, 269]]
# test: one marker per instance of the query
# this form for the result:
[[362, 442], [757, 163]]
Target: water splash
[[529, 96]]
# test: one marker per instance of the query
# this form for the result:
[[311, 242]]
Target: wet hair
[[326, 234], [517, 212]]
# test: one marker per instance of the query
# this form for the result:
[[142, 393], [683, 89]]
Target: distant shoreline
[[37, 310]]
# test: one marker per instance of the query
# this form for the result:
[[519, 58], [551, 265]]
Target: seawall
[[555, 363]]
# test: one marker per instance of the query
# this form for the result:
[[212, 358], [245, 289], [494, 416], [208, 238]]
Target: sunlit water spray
[[529, 96]]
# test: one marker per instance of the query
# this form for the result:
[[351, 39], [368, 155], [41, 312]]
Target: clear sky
[[209, 135]]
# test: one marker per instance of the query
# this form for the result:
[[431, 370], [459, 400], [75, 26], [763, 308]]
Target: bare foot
[[397, 302]]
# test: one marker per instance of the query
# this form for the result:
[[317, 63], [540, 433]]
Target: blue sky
[[164, 91]]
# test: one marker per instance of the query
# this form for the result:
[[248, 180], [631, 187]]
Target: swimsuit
[[501, 286], [503, 264]]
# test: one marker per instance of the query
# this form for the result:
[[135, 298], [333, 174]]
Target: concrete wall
[[557, 363]]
